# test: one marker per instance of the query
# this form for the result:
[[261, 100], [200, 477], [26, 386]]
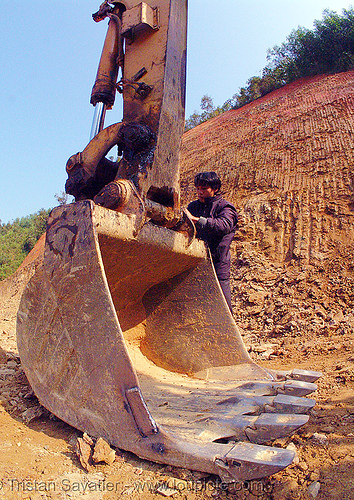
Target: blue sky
[[49, 53]]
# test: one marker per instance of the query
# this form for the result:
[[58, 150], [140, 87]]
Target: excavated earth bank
[[286, 162]]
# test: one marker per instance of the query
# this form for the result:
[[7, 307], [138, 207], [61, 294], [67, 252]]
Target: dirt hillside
[[286, 162]]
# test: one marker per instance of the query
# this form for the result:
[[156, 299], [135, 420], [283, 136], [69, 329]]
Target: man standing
[[216, 221]]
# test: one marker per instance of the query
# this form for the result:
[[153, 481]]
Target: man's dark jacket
[[216, 226]]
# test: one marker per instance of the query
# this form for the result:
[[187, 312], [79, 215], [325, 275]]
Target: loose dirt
[[291, 316]]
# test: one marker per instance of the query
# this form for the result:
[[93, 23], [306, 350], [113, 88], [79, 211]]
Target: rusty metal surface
[[104, 89], [153, 88], [126, 313], [163, 54], [88, 171], [82, 343], [138, 18]]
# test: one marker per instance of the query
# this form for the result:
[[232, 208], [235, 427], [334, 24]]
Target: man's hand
[[190, 216]]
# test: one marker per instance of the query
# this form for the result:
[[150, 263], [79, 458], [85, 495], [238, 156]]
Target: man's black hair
[[208, 179]]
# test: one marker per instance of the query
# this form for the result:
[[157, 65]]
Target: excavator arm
[[148, 45], [124, 332]]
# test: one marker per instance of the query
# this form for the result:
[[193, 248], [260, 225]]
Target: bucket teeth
[[296, 374], [281, 403], [298, 388], [291, 404], [257, 429], [305, 375], [251, 461], [265, 388], [274, 426]]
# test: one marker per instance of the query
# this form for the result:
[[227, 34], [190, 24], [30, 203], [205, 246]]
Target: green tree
[[17, 239], [62, 198], [206, 104], [208, 111]]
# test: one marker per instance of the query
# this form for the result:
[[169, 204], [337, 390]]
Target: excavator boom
[[153, 89], [124, 331]]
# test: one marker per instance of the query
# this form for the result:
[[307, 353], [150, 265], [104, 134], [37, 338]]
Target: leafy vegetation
[[328, 48], [208, 111], [17, 239]]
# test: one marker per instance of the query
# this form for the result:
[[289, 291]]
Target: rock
[[285, 490], [265, 348], [84, 452], [338, 317], [320, 439], [88, 439], [314, 475], [292, 447], [257, 298], [250, 339], [72, 440], [320, 310], [267, 354], [280, 442], [29, 395], [303, 466], [314, 489], [103, 452], [291, 325], [128, 491], [166, 491], [33, 413], [329, 429]]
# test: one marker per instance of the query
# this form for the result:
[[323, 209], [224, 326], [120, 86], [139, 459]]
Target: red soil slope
[[286, 161]]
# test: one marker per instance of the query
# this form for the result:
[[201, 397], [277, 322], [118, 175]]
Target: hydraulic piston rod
[[104, 90], [98, 119]]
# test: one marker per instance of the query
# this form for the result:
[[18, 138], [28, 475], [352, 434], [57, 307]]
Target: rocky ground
[[291, 316], [286, 163], [303, 315]]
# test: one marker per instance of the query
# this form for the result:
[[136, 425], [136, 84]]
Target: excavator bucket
[[125, 334]]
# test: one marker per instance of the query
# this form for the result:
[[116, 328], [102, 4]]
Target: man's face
[[204, 192]]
